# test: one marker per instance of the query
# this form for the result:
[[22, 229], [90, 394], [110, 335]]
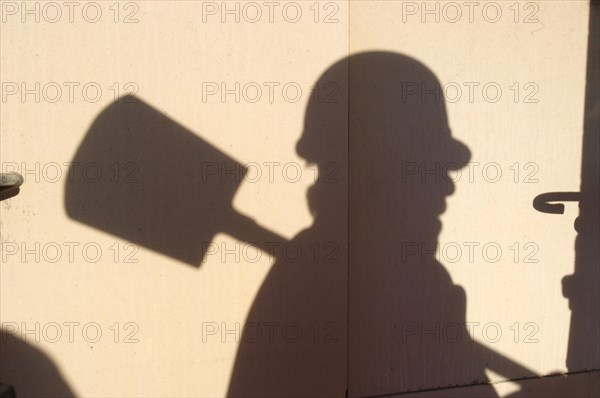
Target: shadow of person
[[31, 372], [389, 135]]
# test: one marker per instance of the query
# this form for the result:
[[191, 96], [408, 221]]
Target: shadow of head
[[393, 125]]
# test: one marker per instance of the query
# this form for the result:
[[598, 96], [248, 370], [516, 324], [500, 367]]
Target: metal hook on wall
[[542, 202]]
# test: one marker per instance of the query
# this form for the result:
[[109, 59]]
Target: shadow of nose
[[309, 148], [300, 147]]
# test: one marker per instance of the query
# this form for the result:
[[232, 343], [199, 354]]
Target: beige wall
[[170, 55]]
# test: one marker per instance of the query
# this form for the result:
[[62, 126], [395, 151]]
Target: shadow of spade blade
[[144, 178]]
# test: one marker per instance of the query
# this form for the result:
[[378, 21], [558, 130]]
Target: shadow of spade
[[145, 178]]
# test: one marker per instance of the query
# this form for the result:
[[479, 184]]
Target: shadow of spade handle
[[247, 230], [503, 365]]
